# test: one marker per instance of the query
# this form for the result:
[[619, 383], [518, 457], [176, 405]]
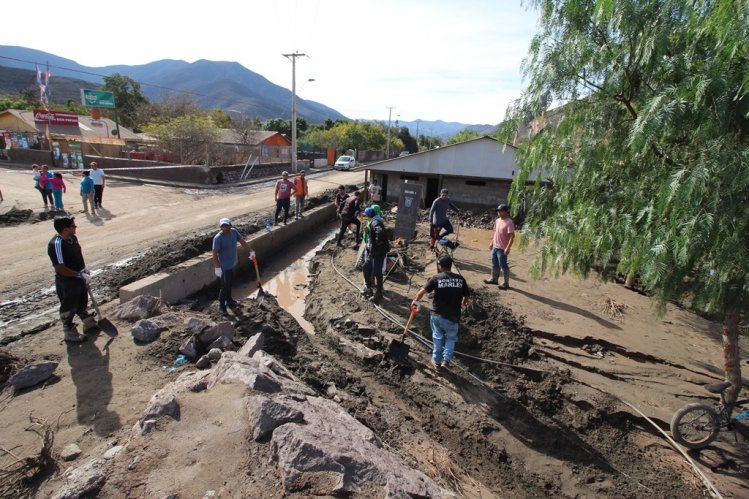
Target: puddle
[[287, 279]]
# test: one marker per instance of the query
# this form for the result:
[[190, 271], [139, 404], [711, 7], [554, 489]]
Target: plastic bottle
[[267, 225]]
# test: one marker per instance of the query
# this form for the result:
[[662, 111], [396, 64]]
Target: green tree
[[128, 97], [463, 136], [278, 125], [649, 156], [193, 138]]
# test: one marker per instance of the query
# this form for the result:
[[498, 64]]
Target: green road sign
[[97, 98]]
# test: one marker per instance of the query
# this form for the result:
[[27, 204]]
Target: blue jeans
[[444, 336], [499, 259]]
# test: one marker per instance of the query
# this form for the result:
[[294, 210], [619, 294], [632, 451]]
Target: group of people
[[52, 186], [450, 289], [285, 188]]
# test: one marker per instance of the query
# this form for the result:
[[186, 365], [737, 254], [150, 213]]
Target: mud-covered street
[[534, 406]]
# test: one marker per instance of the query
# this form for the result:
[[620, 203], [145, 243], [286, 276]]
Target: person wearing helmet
[[375, 251], [504, 236]]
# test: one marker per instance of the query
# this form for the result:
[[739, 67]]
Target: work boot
[[366, 292], [494, 278], [435, 365], [72, 335], [89, 323], [505, 280], [376, 297]]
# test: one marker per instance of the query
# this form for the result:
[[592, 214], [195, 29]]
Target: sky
[[455, 61]]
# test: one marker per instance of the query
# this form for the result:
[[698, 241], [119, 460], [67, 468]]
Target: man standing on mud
[[438, 217], [451, 293], [284, 190], [301, 189], [377, 248], [71, 278], [225, 261], [349, 213], [504, 236], [97, 175]]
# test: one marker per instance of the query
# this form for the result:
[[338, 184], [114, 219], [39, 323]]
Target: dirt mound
[[17, 217]]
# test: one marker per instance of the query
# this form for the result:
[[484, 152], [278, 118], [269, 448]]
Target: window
[[478, 183]]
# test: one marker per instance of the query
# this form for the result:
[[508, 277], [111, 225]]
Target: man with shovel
[[225, 261], [450, 295], [71, 278]]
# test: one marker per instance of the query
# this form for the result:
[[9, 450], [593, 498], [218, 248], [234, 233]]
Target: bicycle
[[696, 425]]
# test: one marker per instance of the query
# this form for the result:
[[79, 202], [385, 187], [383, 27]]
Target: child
[[87, 192], [58, 187]]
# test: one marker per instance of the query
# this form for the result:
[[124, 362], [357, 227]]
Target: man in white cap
[[225, 261], [284, 190]]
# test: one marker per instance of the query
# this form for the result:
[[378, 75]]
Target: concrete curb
[[195, 274]]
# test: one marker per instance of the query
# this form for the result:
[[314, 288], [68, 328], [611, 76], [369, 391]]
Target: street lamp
[[292, 58], [390, 115]]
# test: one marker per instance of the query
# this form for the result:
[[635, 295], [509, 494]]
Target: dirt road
[[552, 425]]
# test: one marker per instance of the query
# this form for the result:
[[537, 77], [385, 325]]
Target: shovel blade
[[107, 327], [398, 349], [260, 295]]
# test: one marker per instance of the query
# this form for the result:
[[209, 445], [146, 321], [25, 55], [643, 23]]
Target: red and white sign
[[55, 118]]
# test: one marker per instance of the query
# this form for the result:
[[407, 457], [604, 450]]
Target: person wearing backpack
[[375, 253]]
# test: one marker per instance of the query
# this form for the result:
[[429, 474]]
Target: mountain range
[[212, 84]]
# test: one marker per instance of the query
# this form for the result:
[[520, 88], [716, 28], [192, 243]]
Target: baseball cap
[[503, 207], [285, 174], [224, 221], [369, 212], [443, 191], [445, 261]]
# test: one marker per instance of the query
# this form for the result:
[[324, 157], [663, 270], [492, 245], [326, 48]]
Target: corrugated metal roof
[[87, 127]]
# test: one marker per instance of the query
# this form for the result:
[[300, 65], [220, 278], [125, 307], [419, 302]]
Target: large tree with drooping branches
[[647, 149]]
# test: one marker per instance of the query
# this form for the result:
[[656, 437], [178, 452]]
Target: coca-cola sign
[[55, 118]]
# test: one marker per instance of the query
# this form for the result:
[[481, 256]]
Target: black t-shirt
[[66, 252], [350, 207], [449, 289], [378, 239]]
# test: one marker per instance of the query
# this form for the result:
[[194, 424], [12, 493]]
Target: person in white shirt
[[375, 191], [97, 175]]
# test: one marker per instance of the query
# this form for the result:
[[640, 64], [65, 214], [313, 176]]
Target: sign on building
[[55, 118], [408, 210], [97, 98]]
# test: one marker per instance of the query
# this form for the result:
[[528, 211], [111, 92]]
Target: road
[[136, 216]]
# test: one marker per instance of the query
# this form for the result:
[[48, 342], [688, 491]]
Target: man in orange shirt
[[300, 191]]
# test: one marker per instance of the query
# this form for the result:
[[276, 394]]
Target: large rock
[[222, 343], [165, 403], [252, 345], [333, 454], [256, 375], [265, 415], [145, 330], [196, 325], [33, 374], [212, 333], [140, 307], [83, 481]]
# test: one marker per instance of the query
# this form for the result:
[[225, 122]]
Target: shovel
[[260, 293], [104, 324], [398, 348]]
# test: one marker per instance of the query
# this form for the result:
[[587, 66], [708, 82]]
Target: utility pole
[[292, 58], [417, 135], [390, 115]]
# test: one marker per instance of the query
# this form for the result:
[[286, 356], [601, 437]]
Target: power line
[[99, 75]]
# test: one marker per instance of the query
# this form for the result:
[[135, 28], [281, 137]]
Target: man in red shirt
[[284, 190], [504, 236]]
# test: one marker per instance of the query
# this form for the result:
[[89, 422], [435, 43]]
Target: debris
[[613, 309]]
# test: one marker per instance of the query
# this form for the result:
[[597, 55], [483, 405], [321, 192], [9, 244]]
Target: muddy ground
[[523, 424]]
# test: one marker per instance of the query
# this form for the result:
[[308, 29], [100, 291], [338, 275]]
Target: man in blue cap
[[375, 253]]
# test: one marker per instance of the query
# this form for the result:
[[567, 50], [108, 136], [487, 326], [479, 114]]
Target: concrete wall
[[461, 193], [197, 273]]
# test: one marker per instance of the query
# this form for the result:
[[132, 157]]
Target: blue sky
[[429, 60]]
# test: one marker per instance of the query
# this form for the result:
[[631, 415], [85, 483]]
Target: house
[[476, 172], [239, 145], [67, 135]]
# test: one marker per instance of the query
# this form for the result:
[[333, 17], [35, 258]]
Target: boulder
[[203, 362], [265, 415], [70, 452], [145, 330], [333, 454], [33, 374], [140, 307], [83, 481], [196, 325], [189, 348], [211, 333], [222, 343], [252, 345], [214, 354]]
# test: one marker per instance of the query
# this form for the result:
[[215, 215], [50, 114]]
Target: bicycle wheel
[[695, 425]]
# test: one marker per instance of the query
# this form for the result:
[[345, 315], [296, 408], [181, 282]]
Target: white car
[[345, 163]]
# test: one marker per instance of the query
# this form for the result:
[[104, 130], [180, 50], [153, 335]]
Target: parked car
[[403, 154], [345, 163]]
